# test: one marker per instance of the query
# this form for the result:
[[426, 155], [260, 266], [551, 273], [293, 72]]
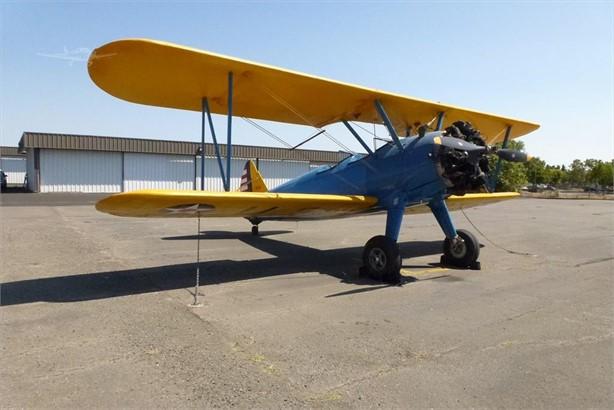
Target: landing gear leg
[[255, 222], [460, 247], [462, 251], [381, 256]]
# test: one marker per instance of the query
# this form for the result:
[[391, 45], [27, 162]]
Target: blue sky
[[548, 62]]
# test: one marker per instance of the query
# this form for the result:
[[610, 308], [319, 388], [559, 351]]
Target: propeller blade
[[513, 155]]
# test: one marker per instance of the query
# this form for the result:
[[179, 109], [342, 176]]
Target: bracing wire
[[364, 129], [267, 132], [491, 242], [302, 117], [373, 133], [275, 137]]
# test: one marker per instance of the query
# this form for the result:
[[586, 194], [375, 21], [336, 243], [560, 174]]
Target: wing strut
[[440, 118], [202, 146], [229, 133], [355, 134], [495, 177], [384, 116], [207, 111], [308, 139], [215, 145]]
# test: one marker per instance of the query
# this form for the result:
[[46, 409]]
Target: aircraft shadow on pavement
[[288, 258], [204, 235]]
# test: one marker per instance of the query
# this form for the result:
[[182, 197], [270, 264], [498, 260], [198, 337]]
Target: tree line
[[591, 173]]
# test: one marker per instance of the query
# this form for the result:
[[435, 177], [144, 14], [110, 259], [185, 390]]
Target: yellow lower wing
[[466, 201], [164, 203], [266, 205]]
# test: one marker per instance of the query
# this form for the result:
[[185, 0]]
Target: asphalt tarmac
[[95, 311]]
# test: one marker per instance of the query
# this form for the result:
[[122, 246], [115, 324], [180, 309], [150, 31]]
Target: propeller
[[512, 155]]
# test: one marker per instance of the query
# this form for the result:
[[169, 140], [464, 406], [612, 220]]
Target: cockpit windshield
[[381, 151], [352, 158], [348, 160]]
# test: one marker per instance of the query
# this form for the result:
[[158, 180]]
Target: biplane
[[436, 159]]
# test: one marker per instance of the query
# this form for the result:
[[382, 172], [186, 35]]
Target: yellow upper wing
[[167, 75], [266, 205]]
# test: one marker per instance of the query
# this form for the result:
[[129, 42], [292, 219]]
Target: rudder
[[251, 180]]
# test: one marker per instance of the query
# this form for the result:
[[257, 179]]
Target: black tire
[[382, 259], [255, 230], [466, 253]]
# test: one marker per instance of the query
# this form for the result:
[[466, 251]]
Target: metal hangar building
[[86, 163]]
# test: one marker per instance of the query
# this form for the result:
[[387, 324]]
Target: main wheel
[[255, 230], [382, 259], [464, 252]]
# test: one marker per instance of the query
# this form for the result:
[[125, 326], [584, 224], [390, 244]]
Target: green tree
[[590, 163], [606, 177], [601, 173], [512, 175], [555, 175], [576, 174], [536, 171]]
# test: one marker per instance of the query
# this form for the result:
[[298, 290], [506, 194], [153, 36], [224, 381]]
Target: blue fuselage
[[398, 177]]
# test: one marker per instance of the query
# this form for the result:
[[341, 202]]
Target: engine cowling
[[462, 165], [463, 160]]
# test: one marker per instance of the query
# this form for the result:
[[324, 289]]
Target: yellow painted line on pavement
[[407, 272]]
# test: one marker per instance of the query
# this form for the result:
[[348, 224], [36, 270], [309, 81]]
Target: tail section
[[251, 180]]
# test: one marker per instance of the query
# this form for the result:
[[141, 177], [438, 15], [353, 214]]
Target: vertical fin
[[251, 180]]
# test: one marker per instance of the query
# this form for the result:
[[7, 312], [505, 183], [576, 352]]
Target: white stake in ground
[[196, 302]]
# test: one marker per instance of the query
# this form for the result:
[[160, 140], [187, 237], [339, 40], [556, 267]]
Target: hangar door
[[274, 172], [213, 180], [80, 171], [15, 170], [158, 171]]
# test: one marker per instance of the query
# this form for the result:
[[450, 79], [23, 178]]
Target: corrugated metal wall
[[15, 169], [80, 171], [274, 172], [31, 171], [100, 171], [213, 181], [158, 171]]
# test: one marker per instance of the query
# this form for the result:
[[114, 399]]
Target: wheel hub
[[458, 248], [377, 259]]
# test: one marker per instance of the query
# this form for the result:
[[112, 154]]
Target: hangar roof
[[117, 144], [10, 152]]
